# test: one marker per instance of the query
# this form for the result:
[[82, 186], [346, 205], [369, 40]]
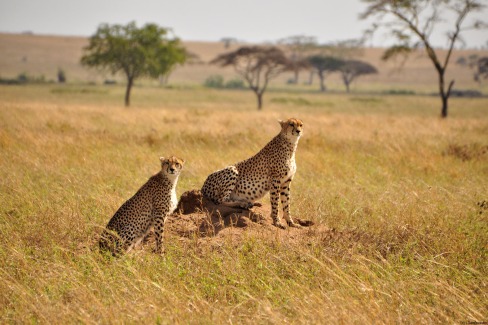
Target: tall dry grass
[[402, 189]]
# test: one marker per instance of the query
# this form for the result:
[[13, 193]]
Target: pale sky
[[252, 21]]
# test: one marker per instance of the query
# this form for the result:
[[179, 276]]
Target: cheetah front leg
[[159, 219], [274, 195], [285, 203]]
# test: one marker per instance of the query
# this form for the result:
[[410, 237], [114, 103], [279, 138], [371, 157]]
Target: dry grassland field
[[398, 197]]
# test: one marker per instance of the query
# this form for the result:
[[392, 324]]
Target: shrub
[[61, 76], [399, 92], [214, 81], [235, 84], [23, 77]]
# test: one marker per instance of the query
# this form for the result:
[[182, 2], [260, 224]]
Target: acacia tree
[[324, 65], [257, 65], [342, 50], [481, 69], [352, 69], [228, 41], [412, 25], [136, 52], [297, 46]]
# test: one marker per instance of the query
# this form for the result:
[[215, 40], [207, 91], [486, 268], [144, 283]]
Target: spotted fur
[[148, 208], [271, 170]]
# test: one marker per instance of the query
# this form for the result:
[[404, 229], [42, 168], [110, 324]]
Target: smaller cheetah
[[271, 170], [148, 208]]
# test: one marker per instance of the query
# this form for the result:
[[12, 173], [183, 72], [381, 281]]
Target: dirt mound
[[195, 215], [199, 222]]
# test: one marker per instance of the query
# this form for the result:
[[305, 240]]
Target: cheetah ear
[[162, 159], [281, 122]]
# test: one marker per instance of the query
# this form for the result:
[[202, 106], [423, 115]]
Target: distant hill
[[42, 55]]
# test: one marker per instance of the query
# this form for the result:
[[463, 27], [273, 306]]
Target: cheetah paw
[[246, 205], [292, 224], [279, 225]]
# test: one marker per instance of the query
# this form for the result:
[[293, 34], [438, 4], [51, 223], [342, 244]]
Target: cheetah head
[[292, 128], [171, 166]]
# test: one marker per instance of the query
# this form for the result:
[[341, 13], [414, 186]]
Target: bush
[[399, 92], [466, 93], [61, 76], [235, 84], [214, 81], [25, 78]]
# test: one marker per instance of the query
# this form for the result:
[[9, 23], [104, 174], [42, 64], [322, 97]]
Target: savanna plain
[[398, 197]]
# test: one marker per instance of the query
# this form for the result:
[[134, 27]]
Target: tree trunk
[[347, 80], [296, 76], [322, 83], [310, 78], [130, 82], [260, 100], [444, 106], [444, 93]]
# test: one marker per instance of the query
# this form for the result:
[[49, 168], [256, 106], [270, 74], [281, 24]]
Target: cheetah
[[148, 208], [271, 170]]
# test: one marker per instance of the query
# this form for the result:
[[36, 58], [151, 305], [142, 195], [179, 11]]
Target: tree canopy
[[481, 69], [136, 52], [324, 64], [257, 65], [296, 47], [352, 69]]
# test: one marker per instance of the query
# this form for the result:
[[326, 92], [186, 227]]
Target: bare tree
[[257, 65], [324, 65], [352, 69], [228, 41], [413, 24]]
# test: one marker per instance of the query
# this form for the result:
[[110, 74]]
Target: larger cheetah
[[148, 208], [271, 169]]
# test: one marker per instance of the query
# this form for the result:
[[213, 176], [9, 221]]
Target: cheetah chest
[[291, 169], [173, 201]]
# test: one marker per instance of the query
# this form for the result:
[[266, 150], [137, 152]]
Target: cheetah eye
[[178, 165], [291, 124]]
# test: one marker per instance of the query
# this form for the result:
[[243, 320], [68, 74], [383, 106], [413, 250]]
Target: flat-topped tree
[[297, 46], [324, 65], [481, 69], [352, 69], [257, 65], [136, 52], [412, 23]]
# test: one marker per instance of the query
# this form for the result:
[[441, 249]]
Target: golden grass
[[410, 244]]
